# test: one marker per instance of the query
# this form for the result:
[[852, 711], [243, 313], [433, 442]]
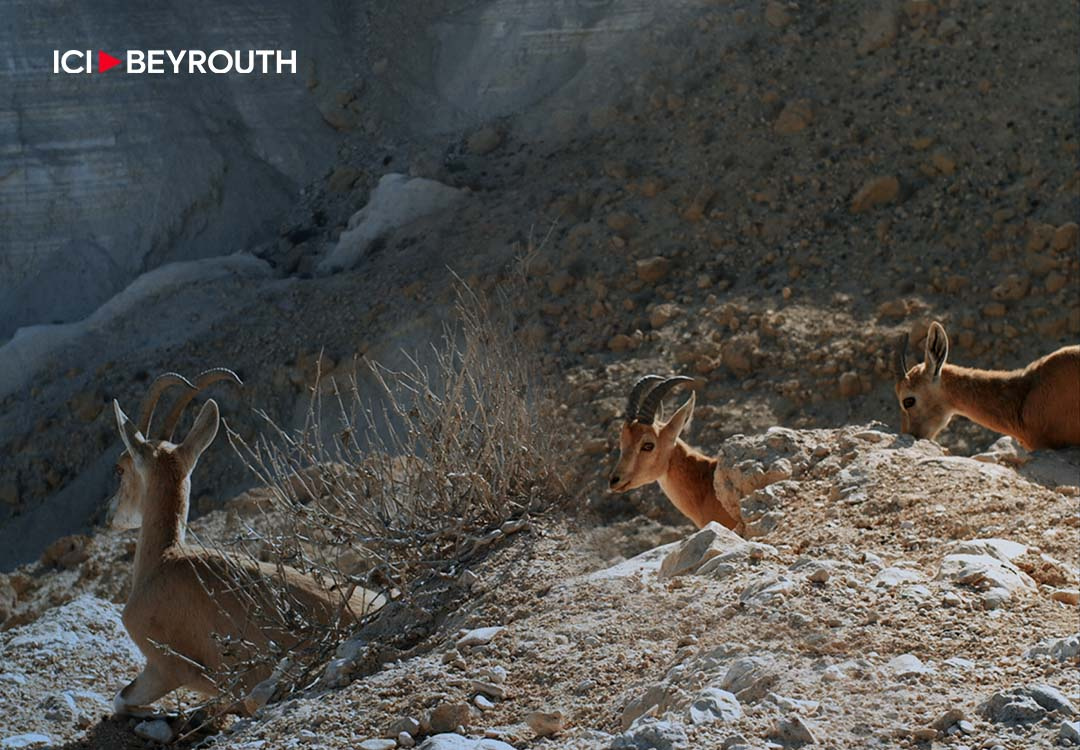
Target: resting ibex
[[1038, 405], [182, 596], [654, 452]]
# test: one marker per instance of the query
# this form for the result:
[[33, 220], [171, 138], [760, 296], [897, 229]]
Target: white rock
[[479, 636], [652, 733], [378, 744], [768, 590], [59, 707], [1070, 730], [908, 665], [638, 566], [31, 348], [25, 740], [83, 625], [804, 707], [749, 678], [491, 690], [794, 731], [960, 663], [1061, 649], [396, 201], [451, 741], [891, 577], [1003, 549], [714, 705], [996, 577], [711, 540], [157, 730]]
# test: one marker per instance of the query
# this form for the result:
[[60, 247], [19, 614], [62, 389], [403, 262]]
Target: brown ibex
[[183, 598], [651, 451], [1038, 405]]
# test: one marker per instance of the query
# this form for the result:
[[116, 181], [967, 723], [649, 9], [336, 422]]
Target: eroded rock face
[[109, 175]]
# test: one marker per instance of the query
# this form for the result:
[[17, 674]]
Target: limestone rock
[[793, 731], [990, 572], [447, 717], [479, 636], [711, 540], [652, 734], [908, 665], [396, 201], [157, 730], [546, 723], [453, 741], [714, 705]]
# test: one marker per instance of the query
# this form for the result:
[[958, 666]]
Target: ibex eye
[[646, 447], [119, 471], [909, 402]]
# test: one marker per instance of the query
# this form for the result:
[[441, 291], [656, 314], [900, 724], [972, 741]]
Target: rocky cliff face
[[105, 176]]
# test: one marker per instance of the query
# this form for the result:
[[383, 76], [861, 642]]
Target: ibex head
[[125, 507], [161, 460], [645, 445], [924, 408]]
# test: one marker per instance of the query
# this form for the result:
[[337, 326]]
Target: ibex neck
[[164, 519], [988, 397], [688, 484]]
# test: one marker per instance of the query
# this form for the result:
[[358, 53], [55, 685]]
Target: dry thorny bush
[[404, 494]]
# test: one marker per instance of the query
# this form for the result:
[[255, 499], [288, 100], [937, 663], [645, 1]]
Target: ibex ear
[[937, 349], [134, 441], [200, 436], [680, 420]]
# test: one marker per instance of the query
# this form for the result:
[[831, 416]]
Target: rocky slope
[[896, 597]]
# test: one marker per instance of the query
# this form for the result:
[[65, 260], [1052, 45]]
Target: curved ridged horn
[[650, 405], [900, 364], [161, 384], [205, 380], [637, 393]]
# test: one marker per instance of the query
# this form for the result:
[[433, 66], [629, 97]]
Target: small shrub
[[407, 491]]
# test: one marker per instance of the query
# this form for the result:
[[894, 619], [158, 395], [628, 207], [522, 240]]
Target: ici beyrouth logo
[[187, 61]]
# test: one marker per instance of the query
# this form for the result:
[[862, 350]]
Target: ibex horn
[[637, 393], [650, 405], [900, 357], [153, 394], [205, 380]]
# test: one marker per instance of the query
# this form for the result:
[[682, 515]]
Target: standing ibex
[[1038, 405], [652, 452], [184, 598]]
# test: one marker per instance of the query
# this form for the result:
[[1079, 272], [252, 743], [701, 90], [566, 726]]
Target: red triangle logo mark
[[105, 61]]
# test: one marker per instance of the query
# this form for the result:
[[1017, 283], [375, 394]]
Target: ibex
[[653, 452], [125, 507], [182, 596], [1038, 405]]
